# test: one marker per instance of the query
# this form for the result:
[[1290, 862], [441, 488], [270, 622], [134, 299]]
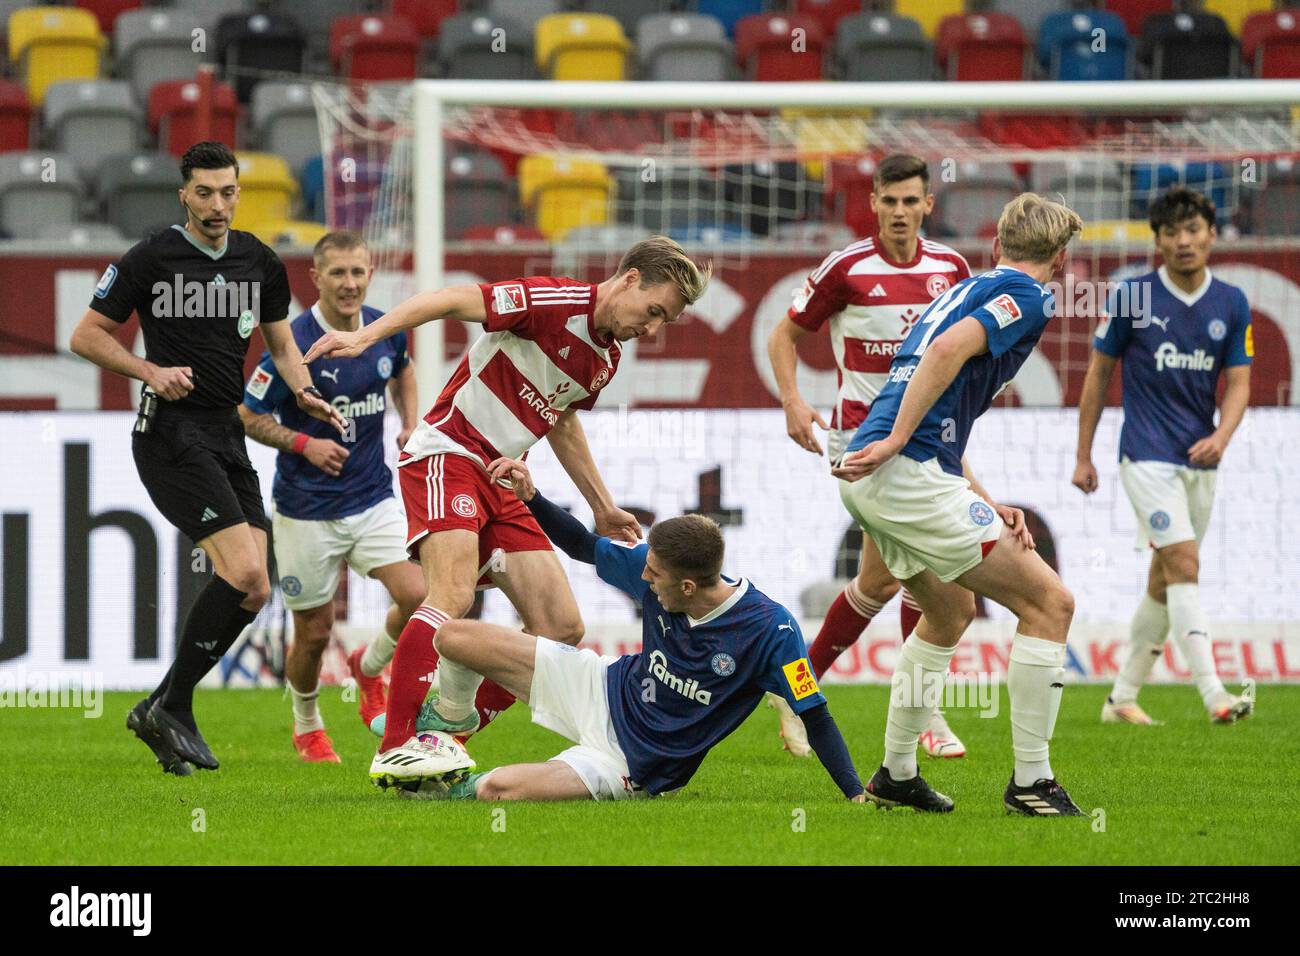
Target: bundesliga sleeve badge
[[509, 298]]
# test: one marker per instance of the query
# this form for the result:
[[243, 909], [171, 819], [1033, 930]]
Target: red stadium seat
[[981, 46], [173, 115], [425, 15], [1134, 12], [375, 48], [848, 194], [828, 13], [106, 11], [1270, 44], [15, 116], [770, 47]]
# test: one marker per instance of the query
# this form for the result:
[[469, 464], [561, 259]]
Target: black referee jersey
[[197, 306]]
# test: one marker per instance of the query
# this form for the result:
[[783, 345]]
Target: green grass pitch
[[79, 791]]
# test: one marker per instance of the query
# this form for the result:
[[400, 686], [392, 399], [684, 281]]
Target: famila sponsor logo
[[689, 689], [372, 404], [1167, 356]]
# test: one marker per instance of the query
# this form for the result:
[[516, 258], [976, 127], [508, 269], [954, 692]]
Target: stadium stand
[[107, 11], [1270, 45], [763, 195], [173, 114], [972, 203], [466, 43], [1235, 13], [49, 44], [769, 49], [81, 234], [562, 193], [981, 46], [929, 13], [155, 45], [527, 13], [477, 193], [15, 117], [375, 48], [38, 188], [691, 47], [284, 121], [250, 45], [1134, 12], [581, 46], [730, 12], [1067, 47], [877, 47], [312, 183], [137, 194], [827, 13], [1275, 210], [1187, 46], [91, 120], [268, 192]]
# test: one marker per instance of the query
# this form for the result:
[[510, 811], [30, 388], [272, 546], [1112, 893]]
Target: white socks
[[914, 693], [1146, 639], [457, 685], [1192, 637], [306, 715], [1034, 684], [378, 654]]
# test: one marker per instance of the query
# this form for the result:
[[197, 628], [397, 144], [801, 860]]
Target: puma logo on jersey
[[1163, 323], [332, 376]]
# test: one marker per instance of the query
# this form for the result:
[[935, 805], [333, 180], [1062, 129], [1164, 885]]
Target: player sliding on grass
[[902, 482], [870, 292], [550, 346], [642, 723]]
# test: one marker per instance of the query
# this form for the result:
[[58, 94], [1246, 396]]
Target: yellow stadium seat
[[1235, 12], [290, 232], [1128, 231], [267, 191], [564, 193], [818, 134], [928, 13], [54, 44], [581, 46]]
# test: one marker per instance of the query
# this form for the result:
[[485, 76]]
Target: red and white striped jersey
[[540, 355], [871, 302]]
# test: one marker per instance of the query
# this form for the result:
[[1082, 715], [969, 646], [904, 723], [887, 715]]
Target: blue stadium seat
[[1068, 42], [1151, 179], [312, 181], [729, 11]]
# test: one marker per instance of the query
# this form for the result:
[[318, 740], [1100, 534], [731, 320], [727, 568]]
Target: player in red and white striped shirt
[[871, 292], [550, 345]]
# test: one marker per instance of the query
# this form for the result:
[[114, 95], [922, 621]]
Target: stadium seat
[[284, 121], [1093, 196], [1129, 232], [81, 234], [929, 13], [1235, 13], [49, 44], [982, 46], [92, 120], [876, 47], [316, 18], [847, 194], [1066, 44], [288, 233], [475, 46], [107, 11], [156, 45], [1150, 179], [1275, 210], [817, 134], [827, 13], [581, 46], [476, 192], [527, 13], [1270, 44], [212, 12], [425, 16], [765, 195], [563, 193], [1135, 12], [730, 12], [267, 190], [137, 194], [507, 235], [375, 48], [15, 117], [312, 181], [780, 47], [683, 46], [174, 119], [630, 13], [250, 43], [677, 199], [973, 202], [1030, 13], [38, 188], [1188, 46]]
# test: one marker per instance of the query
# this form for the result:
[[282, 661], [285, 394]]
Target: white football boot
[[792, 730], [939, 740], [429, 756], [1126, 712], [1230, 708]]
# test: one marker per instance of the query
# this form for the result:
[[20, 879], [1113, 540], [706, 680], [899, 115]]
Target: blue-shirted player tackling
[[334, 502], [642, 723], [901, 479], [1173, 351]]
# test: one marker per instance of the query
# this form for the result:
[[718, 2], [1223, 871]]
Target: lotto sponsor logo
[[538, 404], [259, 383], [509, 298], [372, 404], [464, 506], [1168, 357], [1004, 310], [688, 688], [799, 675]]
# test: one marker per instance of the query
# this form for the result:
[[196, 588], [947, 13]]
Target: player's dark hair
[[345, 240], [899, 167], [691, 546], [1178, 205], [207, 155]]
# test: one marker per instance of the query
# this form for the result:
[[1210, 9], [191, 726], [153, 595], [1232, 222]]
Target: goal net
[[451, 183]]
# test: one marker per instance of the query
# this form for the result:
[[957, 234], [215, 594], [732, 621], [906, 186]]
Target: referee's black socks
[[213, 624]]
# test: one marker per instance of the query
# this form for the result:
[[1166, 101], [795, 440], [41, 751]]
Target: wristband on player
[[300, 443]]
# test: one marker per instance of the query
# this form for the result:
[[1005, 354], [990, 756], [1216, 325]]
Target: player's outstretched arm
[[569, 442], [1101, 367], [828, 743], [464, 303]]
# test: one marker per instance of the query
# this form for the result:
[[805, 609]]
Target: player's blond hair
[[1034, 229], [660, 260]]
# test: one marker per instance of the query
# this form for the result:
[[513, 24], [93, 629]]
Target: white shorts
[[837, 439], [568, 697], [307, 553], [920, 517], [1172, 503]]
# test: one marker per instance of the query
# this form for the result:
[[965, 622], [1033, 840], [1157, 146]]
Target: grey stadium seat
[[476, 192], [1044, 172], [154, 45], [1094, 197], [680, 198], [876, 47], [210, 12], [630, 13], [523, 12], [92, 120], [465, 48], [683, 46], [974, 201], [138, 193], [1030, 13], [284, 121], [38, 188], [82, 234]]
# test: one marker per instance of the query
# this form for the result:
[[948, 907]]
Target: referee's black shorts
[[195, 467]]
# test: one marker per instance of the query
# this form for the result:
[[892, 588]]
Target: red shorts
[[442, 492]]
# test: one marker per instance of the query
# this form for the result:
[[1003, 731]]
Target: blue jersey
[[1014, 309], [355, 386], [694, 682], [1173, 346]]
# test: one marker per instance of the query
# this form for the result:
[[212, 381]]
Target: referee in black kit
[[200, 290]]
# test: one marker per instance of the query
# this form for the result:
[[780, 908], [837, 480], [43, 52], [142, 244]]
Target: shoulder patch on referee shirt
[[509, 298], [1004, 310], [799, 675], [259, 383], [106, 282]]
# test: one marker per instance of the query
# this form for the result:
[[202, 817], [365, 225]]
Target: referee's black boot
[[171, 761], [189, 744]]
